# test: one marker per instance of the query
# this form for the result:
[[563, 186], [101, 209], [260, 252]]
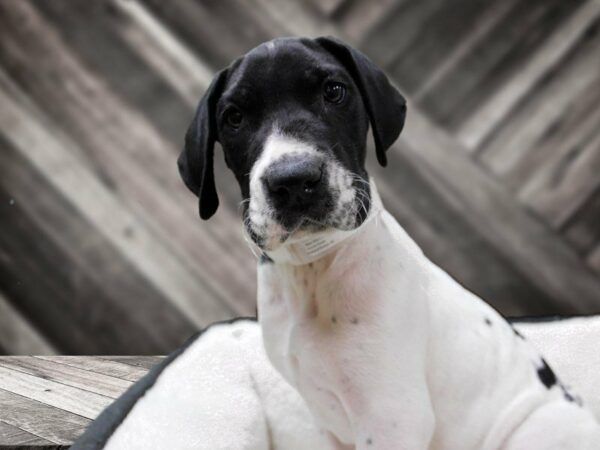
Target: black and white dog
[[386, 350]]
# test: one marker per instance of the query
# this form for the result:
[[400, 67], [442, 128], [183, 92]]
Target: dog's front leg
[[397, 419]]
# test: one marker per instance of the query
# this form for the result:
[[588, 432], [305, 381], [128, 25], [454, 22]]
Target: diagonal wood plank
[[50, 423], [552, 103], [89, 278], [17, 335], [76, 401], [70, 376], [80, 186], [12, 438], [146, 362], [99, 365], [166, 54], [127, 150], [524, 240], [582, 229], [484, 119]]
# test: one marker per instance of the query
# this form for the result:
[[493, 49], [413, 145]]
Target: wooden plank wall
[[497, 175]]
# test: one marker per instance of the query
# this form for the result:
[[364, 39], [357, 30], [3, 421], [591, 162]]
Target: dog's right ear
[[195, 162]]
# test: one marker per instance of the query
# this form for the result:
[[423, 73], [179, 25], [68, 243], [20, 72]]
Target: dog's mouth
[[269, 229]]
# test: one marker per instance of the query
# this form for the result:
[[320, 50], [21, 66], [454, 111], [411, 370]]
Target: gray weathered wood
[[113, 85], [17, 335], [583, 229], [100, 365], [519, 236], [146, 362], [11, 437], [47, 402], [83, 403], [474, 130], [87, 268], [50, 423], [495, 59], [68, 375]]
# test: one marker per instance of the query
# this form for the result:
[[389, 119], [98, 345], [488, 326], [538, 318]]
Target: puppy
[[387, 350]]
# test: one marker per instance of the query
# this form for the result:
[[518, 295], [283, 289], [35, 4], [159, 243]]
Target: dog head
[[292, 116]]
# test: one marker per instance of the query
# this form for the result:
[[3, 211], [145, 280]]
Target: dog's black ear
[[195, 162], [385, 105]]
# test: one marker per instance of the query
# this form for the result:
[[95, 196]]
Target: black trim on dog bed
[[97, 434]]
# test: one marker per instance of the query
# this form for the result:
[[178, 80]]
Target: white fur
[[220, 394], [260, 213], [571, 346], [390, 352]]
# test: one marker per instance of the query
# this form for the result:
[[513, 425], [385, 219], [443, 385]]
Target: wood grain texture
[[563, 40], [12, 436], [495, 177], [46, 403], [17, 335]]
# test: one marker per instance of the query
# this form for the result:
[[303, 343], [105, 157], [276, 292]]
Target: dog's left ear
[[385, 105], [195, 162]]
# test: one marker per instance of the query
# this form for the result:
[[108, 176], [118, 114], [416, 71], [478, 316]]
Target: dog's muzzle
[[296, 189]]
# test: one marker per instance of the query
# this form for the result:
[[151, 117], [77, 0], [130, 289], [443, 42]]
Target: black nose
[[294, 181]]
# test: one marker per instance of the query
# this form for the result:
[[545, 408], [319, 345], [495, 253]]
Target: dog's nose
[[294, 181]]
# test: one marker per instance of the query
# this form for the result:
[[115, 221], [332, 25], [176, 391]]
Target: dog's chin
[[276, 234]]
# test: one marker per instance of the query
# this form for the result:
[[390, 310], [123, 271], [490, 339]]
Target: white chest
[[318, 326]]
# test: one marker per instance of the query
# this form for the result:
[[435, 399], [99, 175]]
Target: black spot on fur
[[333, 319], [264, 259], [369, 441], [488, 322], [354, 321], [519, 335], [546, 375]]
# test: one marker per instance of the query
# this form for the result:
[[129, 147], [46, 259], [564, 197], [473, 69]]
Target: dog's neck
[[311, 248]]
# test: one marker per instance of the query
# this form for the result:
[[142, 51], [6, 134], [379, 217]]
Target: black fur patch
[[546, 375]]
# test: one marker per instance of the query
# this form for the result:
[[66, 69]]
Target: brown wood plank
[[17, 335], [551, 55], [102, 366], [69, 376], [12, 438], [67, 398], [50, 423]]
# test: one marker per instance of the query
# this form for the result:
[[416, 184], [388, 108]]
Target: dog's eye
[[234, 117], [334, 92]]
